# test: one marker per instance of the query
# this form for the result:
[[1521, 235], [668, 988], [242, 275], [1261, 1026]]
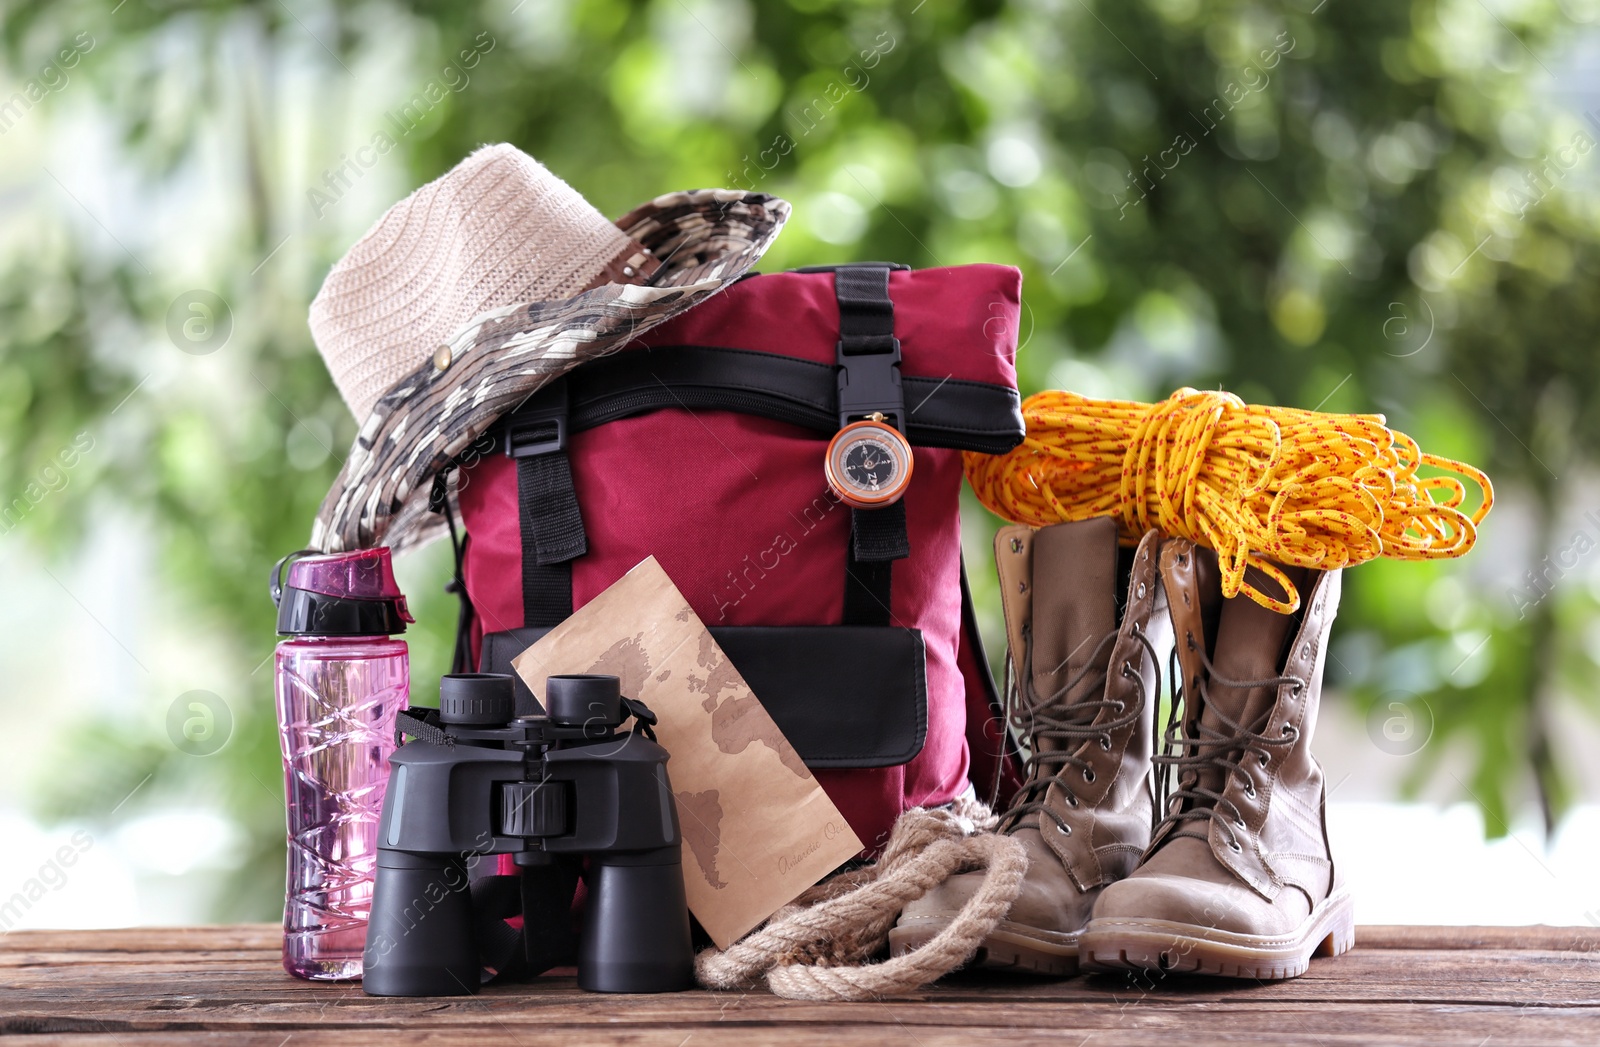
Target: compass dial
[[868, 464]]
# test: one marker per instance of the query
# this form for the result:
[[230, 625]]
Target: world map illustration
[[733, 729], [701, 819]]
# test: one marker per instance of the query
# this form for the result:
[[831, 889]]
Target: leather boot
[[1084, 706], [1239, 880]]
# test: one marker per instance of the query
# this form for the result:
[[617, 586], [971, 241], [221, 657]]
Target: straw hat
[[476, 290]]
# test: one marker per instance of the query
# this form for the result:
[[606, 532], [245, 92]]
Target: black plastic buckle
[[869, 383], [540, 425]]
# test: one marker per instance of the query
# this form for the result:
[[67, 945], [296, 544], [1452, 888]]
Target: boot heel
[[1341, 936]]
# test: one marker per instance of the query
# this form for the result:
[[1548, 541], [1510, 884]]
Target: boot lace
[[1222, 750], [1052, 718]]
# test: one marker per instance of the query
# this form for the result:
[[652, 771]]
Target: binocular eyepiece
[[577, 700], [549, 789]]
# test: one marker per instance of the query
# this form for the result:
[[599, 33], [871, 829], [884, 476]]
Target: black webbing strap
[[879, 535], [867, 589], [551, 525], [866, 313], [544, 483], [868, 358], [549, 937], [877, 540], [495, 899], [421, 723]]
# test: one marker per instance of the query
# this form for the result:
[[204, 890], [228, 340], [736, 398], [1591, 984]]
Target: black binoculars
[[551, 790]]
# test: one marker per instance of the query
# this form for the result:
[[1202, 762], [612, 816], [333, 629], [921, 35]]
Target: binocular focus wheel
[[535, 808]]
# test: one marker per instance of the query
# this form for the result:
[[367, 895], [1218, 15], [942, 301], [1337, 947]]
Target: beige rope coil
[[820, 947]]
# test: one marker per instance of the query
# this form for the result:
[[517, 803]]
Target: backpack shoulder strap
[[551, 523]]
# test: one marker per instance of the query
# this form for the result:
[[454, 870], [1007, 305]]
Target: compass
[[868, 463]]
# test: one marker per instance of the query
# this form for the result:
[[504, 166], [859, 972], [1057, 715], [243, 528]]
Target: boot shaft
[[1059, 592], [1251, 682], [1075, 664], [1280, 795]]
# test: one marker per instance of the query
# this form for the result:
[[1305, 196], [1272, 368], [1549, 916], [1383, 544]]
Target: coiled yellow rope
[[1257, 484]]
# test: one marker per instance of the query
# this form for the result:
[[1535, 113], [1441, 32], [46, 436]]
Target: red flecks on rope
[[1260, 485]]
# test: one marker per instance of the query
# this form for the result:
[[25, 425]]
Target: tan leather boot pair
[[1237, 878]]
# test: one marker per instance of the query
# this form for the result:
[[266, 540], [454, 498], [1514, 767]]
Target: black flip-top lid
[[339, 594]]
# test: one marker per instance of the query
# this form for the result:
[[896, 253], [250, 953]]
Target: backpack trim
[[952, 412], [843, 695]]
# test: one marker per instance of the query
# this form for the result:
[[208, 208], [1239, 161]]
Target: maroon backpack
[[703, 444]]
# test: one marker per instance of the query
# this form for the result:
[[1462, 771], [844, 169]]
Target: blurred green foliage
[[1367, 205]]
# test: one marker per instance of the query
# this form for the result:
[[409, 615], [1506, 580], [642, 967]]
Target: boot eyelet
[[1105, 742], [1072, 801], [1261, 758], [1141, 590], [1290, 731], [1236, 848], [1066, 830], [1088, 774], [1240, 823]]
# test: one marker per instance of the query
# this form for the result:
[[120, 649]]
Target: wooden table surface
[[1478, 987]]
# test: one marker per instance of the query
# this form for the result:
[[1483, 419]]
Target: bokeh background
[[1352, 205]]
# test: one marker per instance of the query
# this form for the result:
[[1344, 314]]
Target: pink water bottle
[[339, 681]]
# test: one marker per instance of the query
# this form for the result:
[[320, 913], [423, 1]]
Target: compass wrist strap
[[877, 540], [879, 535]]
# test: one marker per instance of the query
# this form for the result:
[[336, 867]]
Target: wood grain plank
[[1542, 937], [224, 985], [1072, 1027], [1555, 979], [243, 936], [265, 936]]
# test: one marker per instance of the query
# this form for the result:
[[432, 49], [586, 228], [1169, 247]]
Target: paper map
[[757, 828]]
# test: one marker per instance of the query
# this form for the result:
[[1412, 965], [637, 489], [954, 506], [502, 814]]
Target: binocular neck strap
[[413, 726]]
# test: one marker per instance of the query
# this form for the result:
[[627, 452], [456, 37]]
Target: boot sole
[[1009, 947], [1183, 948]]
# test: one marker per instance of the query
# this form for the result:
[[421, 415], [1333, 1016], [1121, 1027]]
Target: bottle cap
[[339, 594]]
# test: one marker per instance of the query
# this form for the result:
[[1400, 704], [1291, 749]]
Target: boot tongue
[[1074, 608], [1250, 643]]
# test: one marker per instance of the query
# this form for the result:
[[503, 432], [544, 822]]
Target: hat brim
[[425, 423]]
